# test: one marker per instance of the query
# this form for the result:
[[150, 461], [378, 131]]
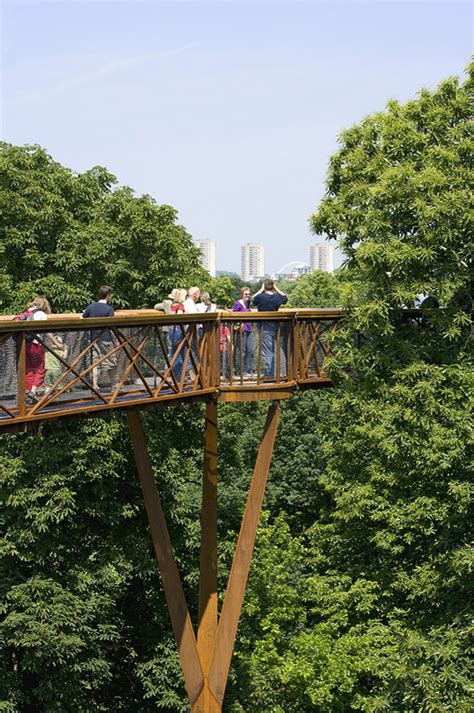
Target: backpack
[[26, 316]]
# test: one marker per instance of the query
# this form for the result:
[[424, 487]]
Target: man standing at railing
[[102, 339], [190, 304], [269, 299]]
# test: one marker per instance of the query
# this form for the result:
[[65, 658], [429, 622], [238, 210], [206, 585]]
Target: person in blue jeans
[[176, 334], [244, 341], [104, 341], [269, 299]]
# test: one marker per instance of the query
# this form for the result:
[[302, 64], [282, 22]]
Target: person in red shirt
[[176, 333], [38, 309]]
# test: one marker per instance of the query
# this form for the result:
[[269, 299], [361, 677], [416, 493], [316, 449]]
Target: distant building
[[208, 252], [253, 262], [321, 257]]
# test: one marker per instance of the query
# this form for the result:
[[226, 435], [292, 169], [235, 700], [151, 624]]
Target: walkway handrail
[[141, 317]]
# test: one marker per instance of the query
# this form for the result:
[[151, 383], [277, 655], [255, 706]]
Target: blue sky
[[229, 111]]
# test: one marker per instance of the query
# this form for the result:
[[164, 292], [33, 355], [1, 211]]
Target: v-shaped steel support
[[179, 615], [205, 663]]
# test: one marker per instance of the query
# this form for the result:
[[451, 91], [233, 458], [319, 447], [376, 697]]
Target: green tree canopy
[[223, 291], [359, 594], [64, 234], [318, 289], [399, 201]]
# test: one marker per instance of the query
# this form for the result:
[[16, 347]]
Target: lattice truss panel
[[106, 366], [313, 346]]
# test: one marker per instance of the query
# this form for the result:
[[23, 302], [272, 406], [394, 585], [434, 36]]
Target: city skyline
[[321, 257]]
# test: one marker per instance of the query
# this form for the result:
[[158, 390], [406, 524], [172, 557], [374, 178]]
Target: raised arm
[[260, 290]]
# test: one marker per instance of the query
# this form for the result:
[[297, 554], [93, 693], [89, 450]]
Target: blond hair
[[40, 302]]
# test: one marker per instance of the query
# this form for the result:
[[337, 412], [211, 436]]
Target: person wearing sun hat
[[165, 306]]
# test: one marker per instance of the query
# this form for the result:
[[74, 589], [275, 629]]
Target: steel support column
[[205, 663], [180, 619], [208, 565], [229, 619]]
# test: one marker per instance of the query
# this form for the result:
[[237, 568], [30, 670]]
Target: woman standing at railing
[[205, 306], [244, 341], [176, 334], [165, 306], [38, 309]]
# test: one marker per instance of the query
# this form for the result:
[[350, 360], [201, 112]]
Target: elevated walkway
[[141, 358]]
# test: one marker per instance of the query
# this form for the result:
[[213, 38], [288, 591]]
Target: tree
[[318, 289], [84, 624], [64, 234], [398, 197], [358, 596], [237, 284], [366, 607], [222, 290]]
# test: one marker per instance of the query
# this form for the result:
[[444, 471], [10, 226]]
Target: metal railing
[[68, 365]]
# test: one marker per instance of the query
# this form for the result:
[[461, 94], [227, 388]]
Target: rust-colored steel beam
[[207, 627], [208, 564], [206, 703], [229, 619], [21, 378], [132, 365], [180, 619], [51, 395]]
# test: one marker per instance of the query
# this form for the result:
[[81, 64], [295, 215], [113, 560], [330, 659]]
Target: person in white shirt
[[191, 307], [206, 305], [190, 303]]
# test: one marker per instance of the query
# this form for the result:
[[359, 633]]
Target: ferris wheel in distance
[[292, 270]]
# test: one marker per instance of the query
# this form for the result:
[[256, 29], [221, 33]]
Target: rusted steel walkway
[[142, 358]]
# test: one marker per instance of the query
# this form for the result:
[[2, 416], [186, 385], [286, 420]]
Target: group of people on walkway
[[269, 298], [43, 367]]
